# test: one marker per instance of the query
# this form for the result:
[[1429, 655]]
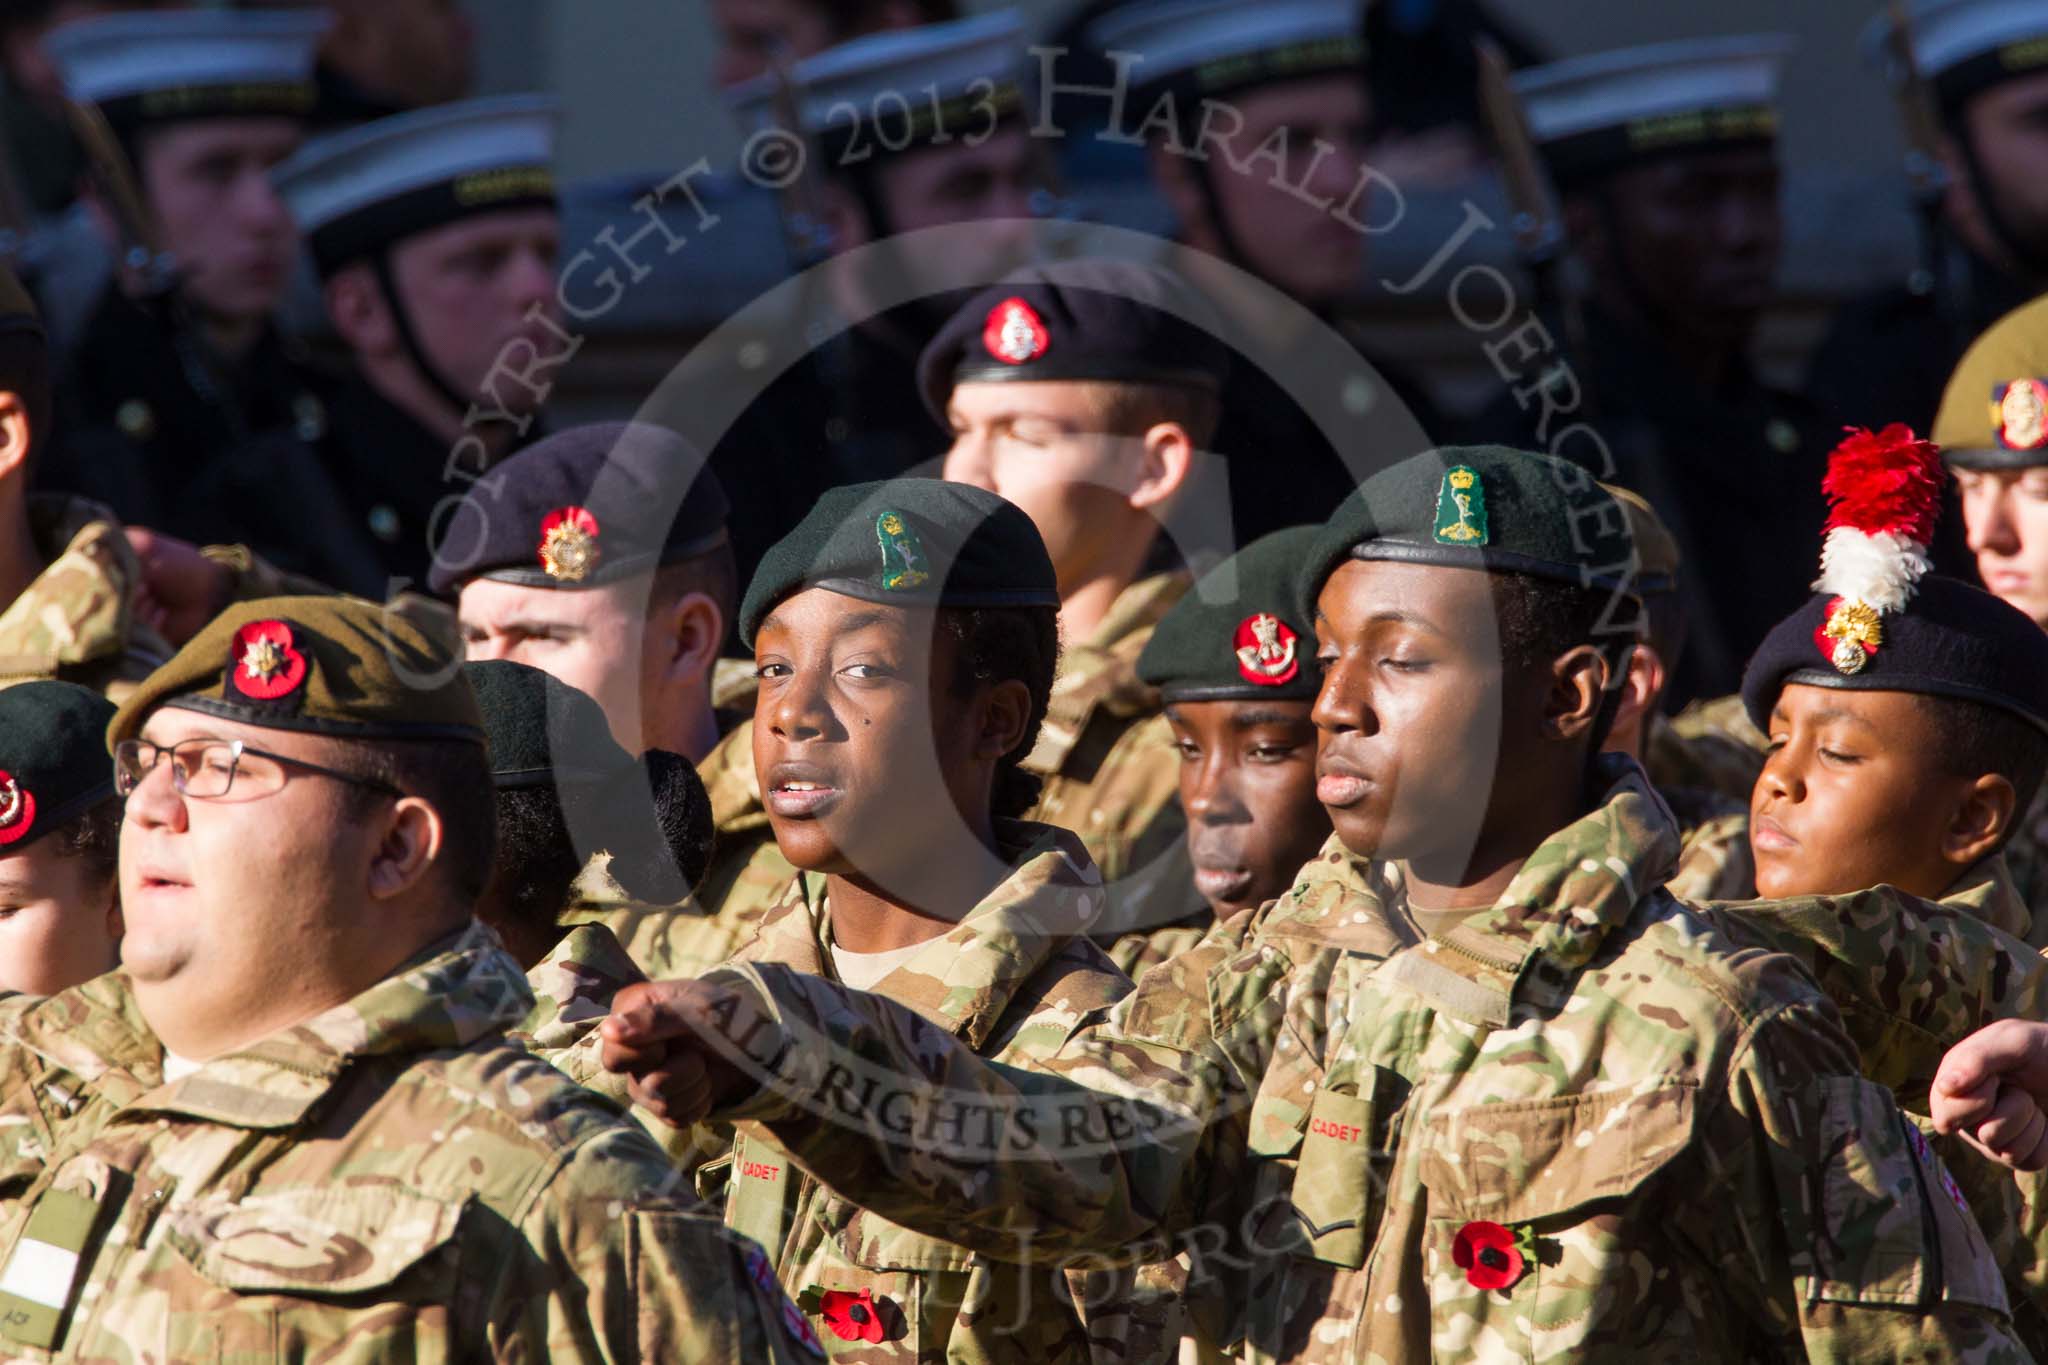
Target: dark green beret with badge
[[335, 666], [907, 542], [1242, 633], [1482, 507], [53, 759]]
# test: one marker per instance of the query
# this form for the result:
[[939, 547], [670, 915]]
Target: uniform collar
[[1988, 892], [458, 990], [1341, 900], [965, 979], [90, 585], [1101, 672], [1580, 885], [573, 986]]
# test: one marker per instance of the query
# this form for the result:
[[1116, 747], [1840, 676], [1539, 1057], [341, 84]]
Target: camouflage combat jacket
[[2026, 853], [76, 622], [1109, 764], [1582, 1124], [1012, 981], [1912, 979], [1709, 747], [665, 942], [391, 1179]]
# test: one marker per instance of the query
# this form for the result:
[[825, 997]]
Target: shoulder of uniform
[[1673, 948]]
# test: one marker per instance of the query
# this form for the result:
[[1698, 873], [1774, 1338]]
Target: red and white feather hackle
[[1884, 491]]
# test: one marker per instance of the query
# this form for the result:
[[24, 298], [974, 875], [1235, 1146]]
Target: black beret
[[907, 541], [335, 666], [1949, 640], [1094, 319], [1482, 507], [542, 732], [582, 508], [53, 758], [17, 309], [1242, 633]]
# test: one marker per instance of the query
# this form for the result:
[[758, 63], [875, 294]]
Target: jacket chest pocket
[[919, 1287], [314, 1273], [1323, 1180], [1529, 1243]]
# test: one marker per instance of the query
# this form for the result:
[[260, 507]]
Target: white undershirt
[[862, 970], [177, 1068]]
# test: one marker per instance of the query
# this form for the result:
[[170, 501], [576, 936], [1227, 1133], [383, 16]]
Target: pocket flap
[[874, 1243], [313, 1241], [1517, 1162]]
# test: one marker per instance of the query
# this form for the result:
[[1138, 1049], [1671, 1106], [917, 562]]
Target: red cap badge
[[850, 1316], [264, 663], [568, 544], [1014, 334], [17, 809], [1266, 650], [2019, 414]]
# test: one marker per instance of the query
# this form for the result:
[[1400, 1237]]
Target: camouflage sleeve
[[626, 1265], [1846, 1231], [1101, 1149]]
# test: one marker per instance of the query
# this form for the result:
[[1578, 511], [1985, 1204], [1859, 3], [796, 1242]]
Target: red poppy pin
[[1014, 333], [1492, 1256], [850, 1316], [1266, 650], [568, 544], [17, 809], [264, 661]]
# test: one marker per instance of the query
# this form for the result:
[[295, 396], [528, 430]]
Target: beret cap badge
[[569, 549], [1461, 508], [2019, 414], [903, 560], [263, 662], [17, 809], [1014, 333], [1885, 493], [1267, 650]]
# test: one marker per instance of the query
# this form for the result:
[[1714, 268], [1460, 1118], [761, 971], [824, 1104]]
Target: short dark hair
[[535, 863], [1542, 618], [94, 834], [854, 18], [715, 573], [455, 779], [1130, 409], [996, 645], [1975, 739]]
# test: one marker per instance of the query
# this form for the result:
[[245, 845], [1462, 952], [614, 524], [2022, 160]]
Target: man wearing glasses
[[292, 1123]]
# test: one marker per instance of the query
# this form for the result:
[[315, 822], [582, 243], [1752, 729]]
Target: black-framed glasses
[[205, 769]]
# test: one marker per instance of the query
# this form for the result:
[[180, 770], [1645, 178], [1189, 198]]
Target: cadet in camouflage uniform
[[1993, 431], [1082, 392], [247, 1144], [1235, 665], [1713, 823], [986, 942], [1574, 1120]]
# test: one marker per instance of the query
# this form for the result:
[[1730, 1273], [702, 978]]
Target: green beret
[[907, 542], [53, 759], [1243, 632], [335, 666], [1994, 413], [1482, 507], [542, 731]]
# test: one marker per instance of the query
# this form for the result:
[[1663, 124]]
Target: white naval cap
[[905, 87], [1214, 46], [1597, 113], [157, 65], [358, 191], [1964, 46]]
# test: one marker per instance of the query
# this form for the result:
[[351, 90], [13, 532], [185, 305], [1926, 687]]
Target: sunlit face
[[593, 639], [861, 740], [1248, 785], [208, 185], [2005, 515], [1850, 796]]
